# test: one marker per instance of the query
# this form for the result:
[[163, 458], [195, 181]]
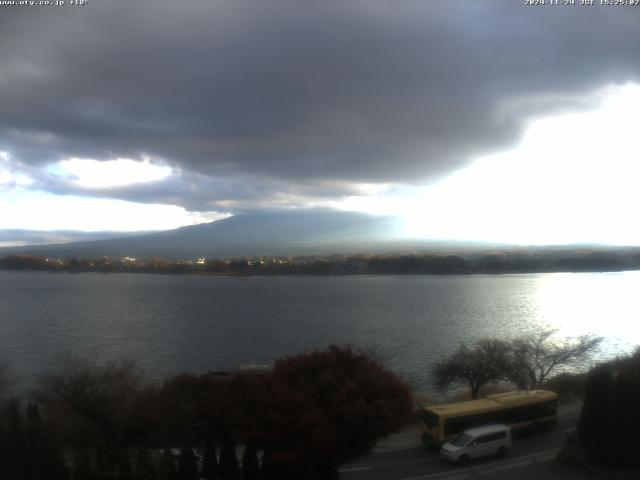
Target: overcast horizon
[[484, 121]]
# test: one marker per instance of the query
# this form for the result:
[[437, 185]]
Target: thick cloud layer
[[255, 101]]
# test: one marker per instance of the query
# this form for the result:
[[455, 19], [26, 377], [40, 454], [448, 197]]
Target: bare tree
[[97, 405], [476, 365], [532, 358], [526, 362]]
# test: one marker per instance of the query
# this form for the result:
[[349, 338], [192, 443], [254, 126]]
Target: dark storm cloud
[[198, 192], [263, 98], [11, 238]]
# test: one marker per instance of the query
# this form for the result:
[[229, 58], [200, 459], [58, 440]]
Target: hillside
[[271, 233]]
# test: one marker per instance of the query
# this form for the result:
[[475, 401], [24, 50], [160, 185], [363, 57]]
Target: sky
[[491, 121]]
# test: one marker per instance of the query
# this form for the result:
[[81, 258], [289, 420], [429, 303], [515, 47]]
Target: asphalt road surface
[[531, 457]]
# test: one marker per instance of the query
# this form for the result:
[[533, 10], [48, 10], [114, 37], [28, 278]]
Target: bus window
[[548, 409], [453, 426], [518, 414]]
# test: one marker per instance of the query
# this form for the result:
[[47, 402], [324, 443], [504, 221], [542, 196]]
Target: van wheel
[[502, 452], [463, 459]]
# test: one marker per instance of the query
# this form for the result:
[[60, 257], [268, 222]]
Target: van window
[[461, 440], [492, 437]]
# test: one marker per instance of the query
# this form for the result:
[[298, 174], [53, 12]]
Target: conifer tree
[[187, 464], [229, 468], [105, 465], [35, 444], [35, 428], [267, 470], [210, 458], [250, 464], [16, 445], [144, 467], [4, 456], [59, 471], [125, 471], [82, 468], [167, 469], [56, 466]]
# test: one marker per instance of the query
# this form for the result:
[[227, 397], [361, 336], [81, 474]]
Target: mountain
[[293, 232]]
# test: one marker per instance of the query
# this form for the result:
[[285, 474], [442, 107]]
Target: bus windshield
[[430, 418]]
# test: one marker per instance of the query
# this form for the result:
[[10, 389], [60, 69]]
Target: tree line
[[303, 418], [577, 260]]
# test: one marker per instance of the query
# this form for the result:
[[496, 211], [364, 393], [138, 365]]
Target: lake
[[196, 323]]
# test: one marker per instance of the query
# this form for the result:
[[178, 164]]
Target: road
[[406, 459]]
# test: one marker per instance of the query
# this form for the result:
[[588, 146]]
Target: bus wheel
[[502, 452], [463, 459]]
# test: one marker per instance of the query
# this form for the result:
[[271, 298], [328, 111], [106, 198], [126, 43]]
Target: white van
[[476, 443]]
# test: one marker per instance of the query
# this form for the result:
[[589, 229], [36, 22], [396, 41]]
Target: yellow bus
[[522, 410]]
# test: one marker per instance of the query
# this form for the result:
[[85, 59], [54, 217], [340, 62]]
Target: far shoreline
[[485, 262]]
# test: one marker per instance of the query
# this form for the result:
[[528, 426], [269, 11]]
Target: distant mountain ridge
[[264, 233]]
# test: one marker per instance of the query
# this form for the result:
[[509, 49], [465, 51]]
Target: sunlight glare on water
[[606, 304]]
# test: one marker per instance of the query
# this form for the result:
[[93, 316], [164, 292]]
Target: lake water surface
[[197, 323]]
